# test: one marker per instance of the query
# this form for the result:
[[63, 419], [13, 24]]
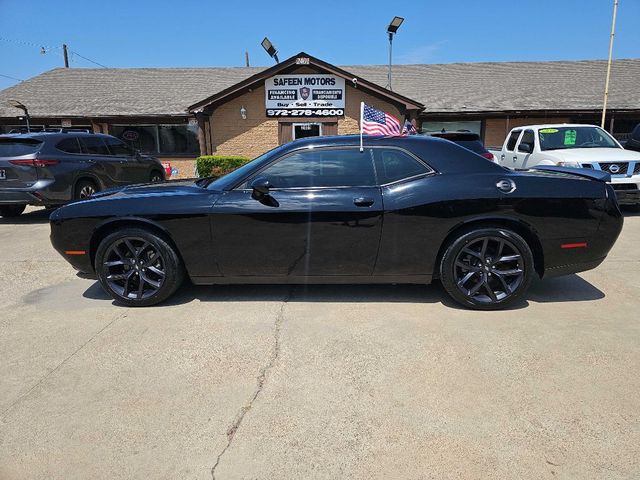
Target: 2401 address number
[[309, 112]]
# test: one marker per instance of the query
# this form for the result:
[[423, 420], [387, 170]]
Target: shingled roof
[[447, 88]]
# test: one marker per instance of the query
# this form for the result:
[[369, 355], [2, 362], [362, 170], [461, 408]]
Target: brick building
[[179, 113]]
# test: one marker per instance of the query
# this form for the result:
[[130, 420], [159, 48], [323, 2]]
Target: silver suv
[[50, 169]]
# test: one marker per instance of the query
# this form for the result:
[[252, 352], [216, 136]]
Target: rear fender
[[590, 173]]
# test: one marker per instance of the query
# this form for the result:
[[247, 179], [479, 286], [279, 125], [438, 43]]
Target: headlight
[[570, 164]]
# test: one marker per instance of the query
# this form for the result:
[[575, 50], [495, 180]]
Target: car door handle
[[363, 202]]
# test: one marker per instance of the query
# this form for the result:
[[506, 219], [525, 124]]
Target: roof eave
[[239, 88]]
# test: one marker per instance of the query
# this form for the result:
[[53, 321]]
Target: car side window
[[69, 145], [118, 147], [322, 168], [513, 138], [94, 146], [393, 165], [528, 138]]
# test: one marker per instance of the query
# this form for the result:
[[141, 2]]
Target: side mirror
[[525, 148], [260, 186]]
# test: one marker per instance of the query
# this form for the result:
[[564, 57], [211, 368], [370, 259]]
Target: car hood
[[179, 187], [594, 155], [132, 199]]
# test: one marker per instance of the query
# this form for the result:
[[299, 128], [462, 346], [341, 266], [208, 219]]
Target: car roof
[[554, 125], [368, 140], [42, 135], [455, 134]]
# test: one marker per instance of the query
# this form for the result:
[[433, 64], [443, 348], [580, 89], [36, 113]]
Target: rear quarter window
[[393, 165], [17, 148]]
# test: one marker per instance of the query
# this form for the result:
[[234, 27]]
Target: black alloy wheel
[[84, 189], [156, 177], [137, 267], [487, 269], [9, 211]]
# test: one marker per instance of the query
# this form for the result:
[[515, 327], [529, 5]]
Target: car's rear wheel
[[8, 211], [84, 189], [156, 177], [137, 267], [487, 268]]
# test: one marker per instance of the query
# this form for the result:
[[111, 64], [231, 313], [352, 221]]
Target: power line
[[87, 59], [27, 44], [10, 77], [45, 49]]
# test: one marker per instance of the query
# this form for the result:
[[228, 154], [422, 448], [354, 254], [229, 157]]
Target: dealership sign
[[315, 95]]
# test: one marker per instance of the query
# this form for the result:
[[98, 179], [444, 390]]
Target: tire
[[8, 211], [84, 189], [121, 277], [156, 177], [487, 268]]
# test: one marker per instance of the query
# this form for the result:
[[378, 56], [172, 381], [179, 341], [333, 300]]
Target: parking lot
[[319, 381]]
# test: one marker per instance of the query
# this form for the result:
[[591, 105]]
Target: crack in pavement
[[260, 381], [57, 367]]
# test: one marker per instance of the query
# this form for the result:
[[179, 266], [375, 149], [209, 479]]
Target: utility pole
[[606, 83], [66, 56], [246, 58]]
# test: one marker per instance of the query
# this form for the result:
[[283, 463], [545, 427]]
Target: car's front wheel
[[11, 210], [137, 267], [487, 268]]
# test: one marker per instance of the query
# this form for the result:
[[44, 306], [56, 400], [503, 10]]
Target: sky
[[183, 33]]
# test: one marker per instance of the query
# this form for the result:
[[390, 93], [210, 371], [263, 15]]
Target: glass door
[[303, 130]]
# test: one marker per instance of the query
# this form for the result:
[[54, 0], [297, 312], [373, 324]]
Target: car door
[[322, 216], [108, 167], [133, 169], [412, 213], [524, 149], [508, 157]]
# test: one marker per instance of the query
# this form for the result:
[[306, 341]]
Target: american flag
[[377, 122], [409, 129]]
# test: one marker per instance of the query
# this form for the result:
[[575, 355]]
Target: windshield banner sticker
[[569, 137]]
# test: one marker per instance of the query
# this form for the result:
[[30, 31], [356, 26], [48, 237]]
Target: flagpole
[[361, 124]]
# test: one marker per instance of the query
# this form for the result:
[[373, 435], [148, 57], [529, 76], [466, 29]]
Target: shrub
[[218, 165]]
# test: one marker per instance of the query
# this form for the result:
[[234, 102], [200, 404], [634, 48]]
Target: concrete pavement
[[315, 382]]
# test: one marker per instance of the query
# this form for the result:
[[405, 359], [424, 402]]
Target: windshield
[[560, 138], [473, 145], [234, 177]]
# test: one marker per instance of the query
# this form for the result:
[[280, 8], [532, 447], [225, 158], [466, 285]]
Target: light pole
[[20, 106], [606, 83], [270, 49], [391, 30]]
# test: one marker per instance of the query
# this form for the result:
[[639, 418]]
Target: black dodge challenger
[[323, 210]]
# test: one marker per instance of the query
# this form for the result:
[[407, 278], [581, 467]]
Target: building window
[[159, 139], [474, 126]]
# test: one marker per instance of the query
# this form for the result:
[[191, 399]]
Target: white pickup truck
[[575, 145]]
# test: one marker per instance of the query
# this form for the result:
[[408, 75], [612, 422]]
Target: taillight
[[40, 162], [488, 155]]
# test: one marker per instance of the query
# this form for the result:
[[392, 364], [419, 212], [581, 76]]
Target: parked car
[[575, 145], [633, 142], [466, 139], [320, 210], [50, 169]]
